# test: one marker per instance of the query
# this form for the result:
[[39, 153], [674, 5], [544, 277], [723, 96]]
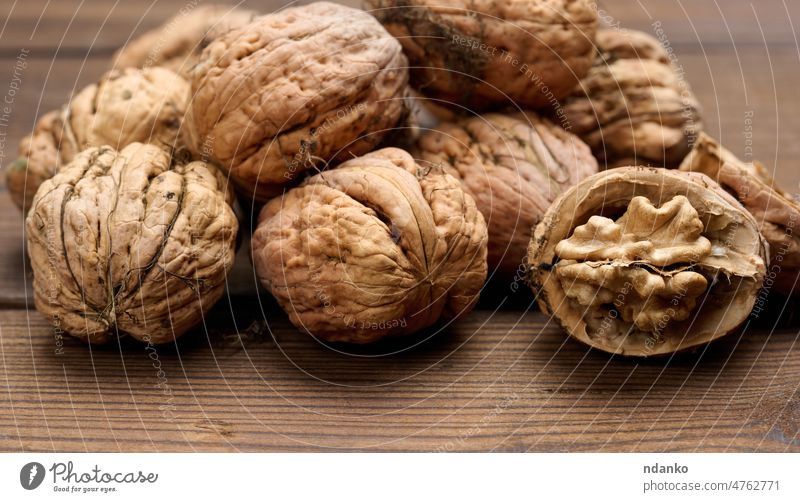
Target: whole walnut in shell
[[633, 108], [294, 90], [130, 242], [514, 165], [376, 247], [177, 43], [485, 52], [646, 261], [124, 107], [776, 212]]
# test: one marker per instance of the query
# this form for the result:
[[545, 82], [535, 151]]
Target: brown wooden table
[[504, 379]]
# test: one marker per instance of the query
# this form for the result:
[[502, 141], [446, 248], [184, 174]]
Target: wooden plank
[[76, 27], [696, 23], [505, 382]]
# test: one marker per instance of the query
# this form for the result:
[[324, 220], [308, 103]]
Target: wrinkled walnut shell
[[485, 52], [514, 166], [40, 157], [124, 107], [376, 247], [294, 90], [776, 212], [646, 261], [633, 108], [177, 43], [130, 242]]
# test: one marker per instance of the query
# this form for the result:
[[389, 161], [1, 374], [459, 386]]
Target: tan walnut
[[514, 166], [294, 90], [373, 248], [485, 52], [130, 242], [647, 261], [776, 212], [177, 43], [124, 107], [633, 108]]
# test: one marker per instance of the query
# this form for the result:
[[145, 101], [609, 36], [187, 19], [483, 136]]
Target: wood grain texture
[[505, 382], [78, 27], [502, 380], [698, 24], [73, 27]]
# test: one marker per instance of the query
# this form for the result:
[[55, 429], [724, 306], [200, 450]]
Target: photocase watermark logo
[[31, 475], [69, 478]]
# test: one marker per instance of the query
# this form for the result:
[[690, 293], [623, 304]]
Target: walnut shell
[[646, 261], [130, 242], [514, 166], [40, 156], [177, 43], [485, 52], [294, 90], [124, 107], [633, 108], [776, 212], [376, 247]]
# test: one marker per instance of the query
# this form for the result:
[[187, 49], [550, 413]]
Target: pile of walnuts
[[399, 158]]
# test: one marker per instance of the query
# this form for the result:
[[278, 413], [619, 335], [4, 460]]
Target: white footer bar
[[353, 477]]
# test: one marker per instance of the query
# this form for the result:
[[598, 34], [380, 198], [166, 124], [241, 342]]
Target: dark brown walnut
[[177, 43], [514, 165], [633, 108], [776, 212], [124, 107], [376, 247], [293, 91], [477, 53], [130, 242], [647, 261]]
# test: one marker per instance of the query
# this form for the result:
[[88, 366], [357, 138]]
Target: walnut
[[124, 107], [130, 242], [514, 165], [294, 90], [633, 108], [376, 247], [777, 212], [39, 159], [646, 261], [480, 53], [177, 43]]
